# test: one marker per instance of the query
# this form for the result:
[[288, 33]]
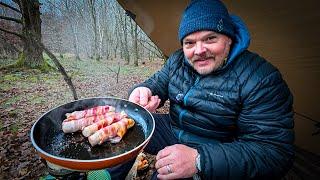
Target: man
[[231, 112]]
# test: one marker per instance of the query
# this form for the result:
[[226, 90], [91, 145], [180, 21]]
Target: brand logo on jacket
[[217, 95]]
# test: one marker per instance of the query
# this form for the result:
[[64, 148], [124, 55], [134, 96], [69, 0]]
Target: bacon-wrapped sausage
[[98, 110], [112, 133], [70, 126], [112, 118]]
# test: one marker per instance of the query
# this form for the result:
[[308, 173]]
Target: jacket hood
[[242, 38]]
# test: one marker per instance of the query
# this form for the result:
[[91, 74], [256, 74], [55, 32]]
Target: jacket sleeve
[[263, 148]]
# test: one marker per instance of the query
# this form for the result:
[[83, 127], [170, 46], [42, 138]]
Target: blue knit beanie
[[206, 15]]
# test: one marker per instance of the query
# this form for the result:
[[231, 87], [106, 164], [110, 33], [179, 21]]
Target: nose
[[199, 48]]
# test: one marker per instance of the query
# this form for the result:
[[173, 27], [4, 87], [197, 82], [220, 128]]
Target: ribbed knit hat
[[205, 15]]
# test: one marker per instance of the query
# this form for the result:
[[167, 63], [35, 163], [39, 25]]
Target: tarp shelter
[[284, 32]]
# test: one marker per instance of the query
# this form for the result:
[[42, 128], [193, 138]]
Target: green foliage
[[145, 72], [14, 128], [9, 102], [11, 77], [46, 67], [20, 61], [36, 99], [14, 64], [19, 64], [5, 86], [6, 62]]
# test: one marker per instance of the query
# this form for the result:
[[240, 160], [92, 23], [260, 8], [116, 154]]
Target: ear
[[230, 41]]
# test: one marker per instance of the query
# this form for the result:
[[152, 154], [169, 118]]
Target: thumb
[[135, 96], [144, 98]]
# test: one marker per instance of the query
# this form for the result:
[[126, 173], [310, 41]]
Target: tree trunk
[[74, 25], [125, 43], [75, 41], [95, 32], [30, 10], [135, 44]]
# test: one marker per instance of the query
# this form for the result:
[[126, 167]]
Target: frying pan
[[73, 151]]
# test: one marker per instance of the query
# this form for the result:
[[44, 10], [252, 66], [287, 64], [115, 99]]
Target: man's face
[[206, 50]]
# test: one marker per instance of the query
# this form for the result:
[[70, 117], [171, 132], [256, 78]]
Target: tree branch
[[60, 67], [11, 19], [155, 50], [10, 7], [11, 32], [9, 44]]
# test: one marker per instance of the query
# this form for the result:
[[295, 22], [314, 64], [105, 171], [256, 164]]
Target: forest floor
[[26, 94]]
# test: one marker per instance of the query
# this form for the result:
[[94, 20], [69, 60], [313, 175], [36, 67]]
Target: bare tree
[[92, 10], [29, 11], [134, 35], [122, 21], [74, 25], [147, 44]]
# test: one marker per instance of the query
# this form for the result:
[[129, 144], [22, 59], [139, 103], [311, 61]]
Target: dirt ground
[[27, 94]]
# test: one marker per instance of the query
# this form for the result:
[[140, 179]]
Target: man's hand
[[143, 96], [177, 161]]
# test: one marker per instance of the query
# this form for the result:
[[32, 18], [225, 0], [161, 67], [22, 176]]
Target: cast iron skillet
[[73, 151]]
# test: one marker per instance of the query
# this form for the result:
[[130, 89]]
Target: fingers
[[140, 95], [167, 169], [167, 172], [153, 103], [163, 162], [164, 165], [163, 158], [134, 98], [176, 161], [167, 176], [163, 153], [144, 98]]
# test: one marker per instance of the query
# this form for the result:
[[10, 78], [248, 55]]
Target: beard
[[205, 64]]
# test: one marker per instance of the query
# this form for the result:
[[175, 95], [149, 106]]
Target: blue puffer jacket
[[239, 117]]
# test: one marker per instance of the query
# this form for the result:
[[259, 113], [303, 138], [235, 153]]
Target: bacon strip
[[112, 118], [113, 132], [70, 126], [98, 110]]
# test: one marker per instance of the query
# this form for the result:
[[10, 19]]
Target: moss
[[5, 86], [14, 128], [46, 67], [33, 79], [36, 99], [8, 103], [16, 64], [11, 77], [21, 60]]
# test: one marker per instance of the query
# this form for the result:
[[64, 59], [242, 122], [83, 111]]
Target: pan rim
[[91, 160]]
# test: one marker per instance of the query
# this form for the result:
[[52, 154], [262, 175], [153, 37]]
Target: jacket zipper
[[185, 100]]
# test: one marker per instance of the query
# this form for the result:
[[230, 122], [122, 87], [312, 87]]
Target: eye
[[211, 39], [188, 44]]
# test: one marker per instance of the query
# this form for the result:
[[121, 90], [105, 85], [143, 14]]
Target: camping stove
[[61, 173]]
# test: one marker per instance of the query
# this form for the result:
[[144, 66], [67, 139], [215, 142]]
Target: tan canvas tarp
[[284, 32]]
